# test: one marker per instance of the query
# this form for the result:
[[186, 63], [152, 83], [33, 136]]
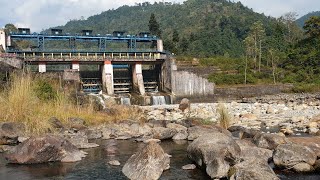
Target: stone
[[163, 133], [313, 131], [80, 141], [184, 104], [248, 133], [56, 123], [251, 151], [10, 131], [93, 134], [289, 155], [189, 167], [250, 117], [253, 169], [6, 148], [148, 163], [215, 152], [77, 123], [313, 125], [177, 127], [269, 141], [181, 136], [270, 110], [151, 140], [106, 133], [114, 163], [49, 148], [317, 165], [310, 142], [197, 131], [303, 168], [286, 131]]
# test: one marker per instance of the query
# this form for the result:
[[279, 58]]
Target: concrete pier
[[75, 65], [137, 79], [107, 77], [42, 67]]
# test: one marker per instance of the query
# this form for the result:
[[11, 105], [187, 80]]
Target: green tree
[[175, 36], [10, 28], [312, 27], [154, 26], [257, 32]]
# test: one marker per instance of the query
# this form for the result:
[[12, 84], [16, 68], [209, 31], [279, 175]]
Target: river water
[[95, 166]]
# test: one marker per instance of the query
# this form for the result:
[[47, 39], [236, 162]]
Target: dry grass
[[224, 118], [19, 103]]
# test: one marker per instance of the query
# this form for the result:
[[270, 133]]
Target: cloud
[[42, 14]]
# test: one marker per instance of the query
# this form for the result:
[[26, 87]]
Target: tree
[[249, 44], [312, 27], [175, 36], [154, 26], [10, 28], [257, 34], [293, 33]]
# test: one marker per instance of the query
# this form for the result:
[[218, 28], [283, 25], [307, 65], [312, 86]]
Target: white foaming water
[[158, 100], [125, 101]]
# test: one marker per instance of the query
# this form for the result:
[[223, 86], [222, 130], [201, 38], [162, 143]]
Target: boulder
[[77, 123], [310, 142], [317, 165], [184, 104], [93, 133], [114, 163], [56, 123], [215, 152], [182, 131], [289, 155], [180, 136], [269, 141], [197, 131], [148, 163], [189, 167], [80, 140], [253, 169], [49, 148], [163, 133], [303, 167], [251, 151], [10, 131]]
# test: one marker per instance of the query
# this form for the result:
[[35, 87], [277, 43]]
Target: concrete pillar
[[137, 78], [3, 40], [107, 77], [75, 65], [42, 67], [159, 45]]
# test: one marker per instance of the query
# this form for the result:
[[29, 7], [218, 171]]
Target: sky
[[43, 14]]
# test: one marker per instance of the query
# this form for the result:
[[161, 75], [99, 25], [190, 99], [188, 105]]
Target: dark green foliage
[[304, 18], [45, 91], [200, 28], [154, 26]]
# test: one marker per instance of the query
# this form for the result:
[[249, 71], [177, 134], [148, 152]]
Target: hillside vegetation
[[202, 27], [304, 18]]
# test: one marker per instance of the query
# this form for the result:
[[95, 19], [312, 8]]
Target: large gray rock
[[251, 151], [182, 131], [80, 140], [197, 131], [289, 155], [214, 152], [253, 169], [184, 104], [45, 149], [163, 133], [9, 132], [149, 163], [269, 141], [310, 142], [77, 123]]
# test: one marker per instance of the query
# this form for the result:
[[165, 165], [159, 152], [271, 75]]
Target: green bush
[[44, 90]]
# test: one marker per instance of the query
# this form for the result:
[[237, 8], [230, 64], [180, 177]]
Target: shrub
[[224, 116]]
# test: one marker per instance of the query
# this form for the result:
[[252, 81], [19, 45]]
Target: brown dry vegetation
[[20, 102]]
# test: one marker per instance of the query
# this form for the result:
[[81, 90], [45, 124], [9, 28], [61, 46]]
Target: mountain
[[204, 27], [303, 19]]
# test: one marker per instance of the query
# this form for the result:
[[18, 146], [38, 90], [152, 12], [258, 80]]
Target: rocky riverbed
[[280, 134]]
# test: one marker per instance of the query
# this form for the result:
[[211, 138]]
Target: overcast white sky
[[42, 14]]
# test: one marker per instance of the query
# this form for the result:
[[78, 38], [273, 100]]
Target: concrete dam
[[114, 64]]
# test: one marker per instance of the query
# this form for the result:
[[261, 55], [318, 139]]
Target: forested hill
[[203, 27], [304, 18]]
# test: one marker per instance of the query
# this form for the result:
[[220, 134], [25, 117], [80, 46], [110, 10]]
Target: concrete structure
[[114, 71], [107, 77], [3, 40]]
